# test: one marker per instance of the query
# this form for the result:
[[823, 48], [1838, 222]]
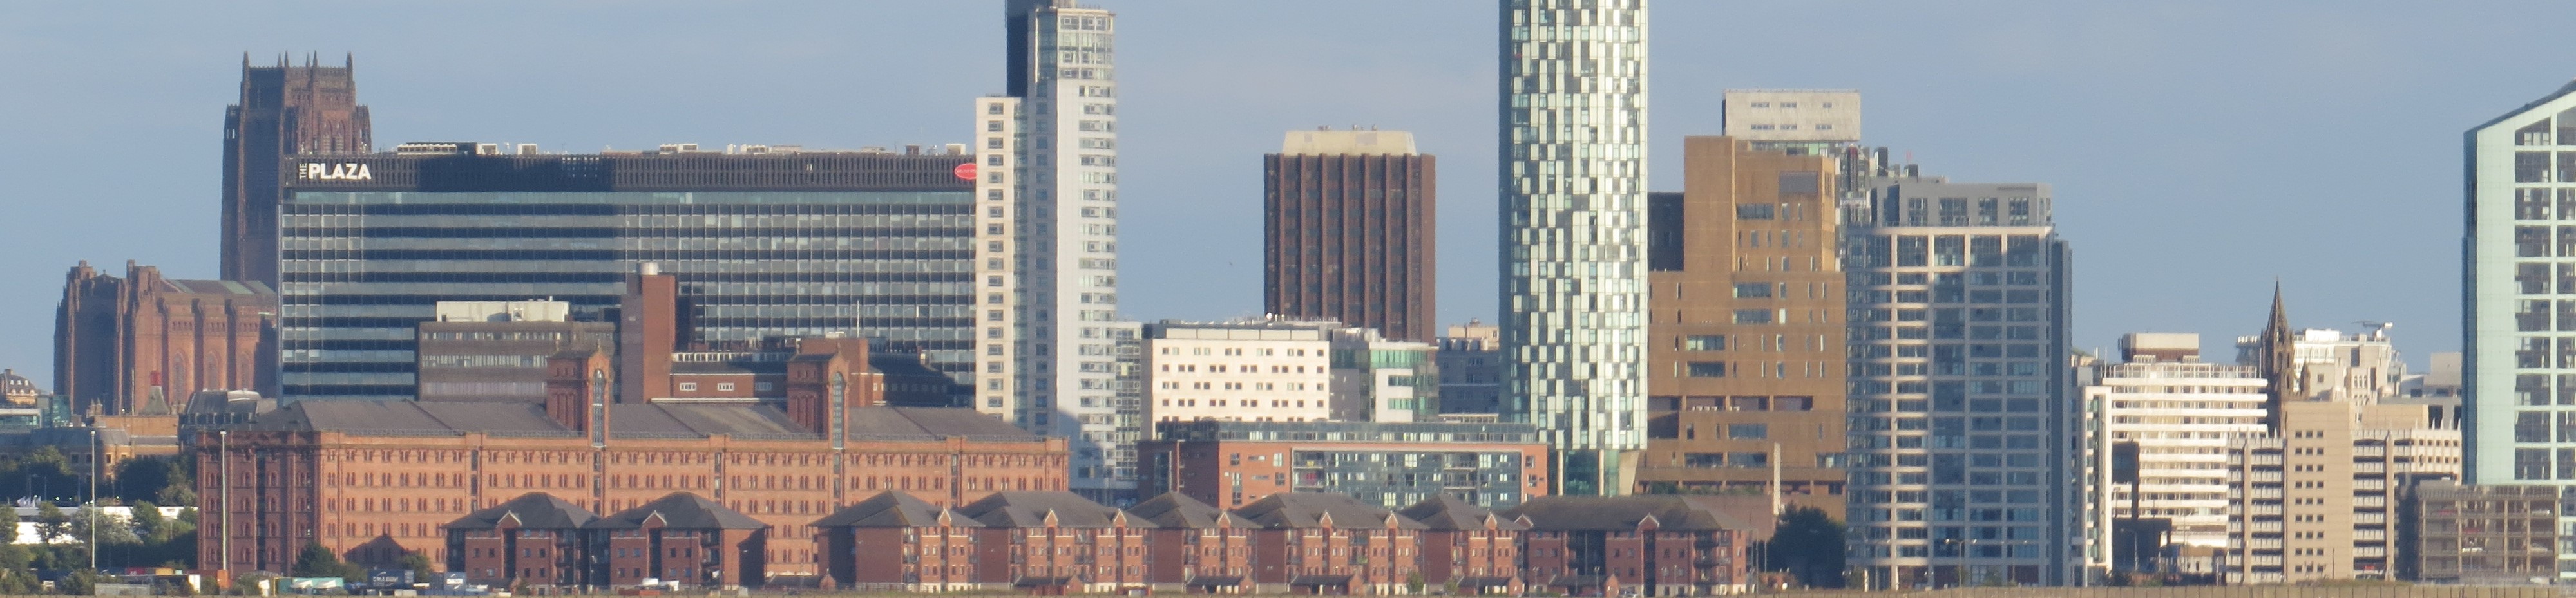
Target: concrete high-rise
[[1961, 397], [1068, 371], [1573, 175], [2179, 412], [284, 111], [1348, 232], [2519, 278], [1745, 375]]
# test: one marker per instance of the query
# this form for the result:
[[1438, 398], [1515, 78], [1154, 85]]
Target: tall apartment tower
[[2520, 324], [2179, 412], [1745, 368], [1961, 394], [1573, 171], [1069, 332], [284, 111], [1348, 231]]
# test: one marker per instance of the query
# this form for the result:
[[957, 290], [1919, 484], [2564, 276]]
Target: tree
[[318, 561], [111, 530], [145, 478], [51, 523], [1809, 545], [419, 564]]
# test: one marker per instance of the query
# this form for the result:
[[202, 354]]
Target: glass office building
[[770, 244], [1961, 396], [1573, 105]]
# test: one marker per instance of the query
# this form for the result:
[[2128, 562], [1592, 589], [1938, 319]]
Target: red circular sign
[[965, 171]]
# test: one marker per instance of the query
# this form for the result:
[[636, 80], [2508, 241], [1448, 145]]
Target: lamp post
[[95, 447], [224, 491]]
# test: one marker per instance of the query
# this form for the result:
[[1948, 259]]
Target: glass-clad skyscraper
[[1573, 174], [1961, 404], [772, 244], [2519, 407]]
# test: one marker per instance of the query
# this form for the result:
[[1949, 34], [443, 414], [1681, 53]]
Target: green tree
[[51, 523], [146, 478], [112, 531], [1809, 545], [318, 561], [419, 564]]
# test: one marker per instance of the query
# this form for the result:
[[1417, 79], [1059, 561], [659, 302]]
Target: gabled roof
[[1446, 512], [1030, 508], [1176, 510], [680, 510], [1303, 510], [701, 419], [534, 510], [892, 508], [1624, 513]]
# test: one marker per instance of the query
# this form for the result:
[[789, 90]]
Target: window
[[1761, 105], [1707, 369], [688, 386], [1706, 342], [1748, 431], [724, 386], [1753, 211], [1752, 289], [1754, 316]]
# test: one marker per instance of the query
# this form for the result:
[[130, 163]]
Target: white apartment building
[[2181, 413], [1237, 371]]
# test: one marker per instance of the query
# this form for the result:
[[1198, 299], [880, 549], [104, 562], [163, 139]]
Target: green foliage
[[82, 582], [318, 561], [44, 471], [419, 564], [1809, 545], [160, 479], [51, 523]]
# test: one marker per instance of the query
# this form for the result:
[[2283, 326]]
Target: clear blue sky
[[2198, 149]]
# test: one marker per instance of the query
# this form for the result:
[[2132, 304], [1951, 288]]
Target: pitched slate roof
[[407, 416], [1446, 512], [704, 419], [680, 510], [534, 510], [892, 508], [1029, 508], [1176, 510], [1617, 513], [932, 422], [1302, 510]]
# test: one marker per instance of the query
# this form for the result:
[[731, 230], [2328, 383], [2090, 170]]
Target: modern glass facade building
[[1961, 399], [1067, 331], [875, 244], [1573, 131], [2519, 414]]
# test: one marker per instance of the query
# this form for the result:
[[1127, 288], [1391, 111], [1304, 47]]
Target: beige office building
[[1282, 370]]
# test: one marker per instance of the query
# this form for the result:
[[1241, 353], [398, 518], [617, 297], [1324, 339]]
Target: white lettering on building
[[345, 171]]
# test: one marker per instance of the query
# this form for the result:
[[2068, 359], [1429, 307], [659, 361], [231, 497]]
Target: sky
[[2198, 151]]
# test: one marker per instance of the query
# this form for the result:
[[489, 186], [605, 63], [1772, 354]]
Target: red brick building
[[1231, 464], [535, 538], [145, 344], [1055, 542], [373, 480], [1659, 545], [1315, 543], [682, 538], [1194, 546], [937, 547], [1467, 545]]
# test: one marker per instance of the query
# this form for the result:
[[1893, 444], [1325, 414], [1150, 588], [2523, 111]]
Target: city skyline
[[1188, 167]]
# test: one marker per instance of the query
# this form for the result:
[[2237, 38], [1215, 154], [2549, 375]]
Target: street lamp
[[224, 496], [95, 447]]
